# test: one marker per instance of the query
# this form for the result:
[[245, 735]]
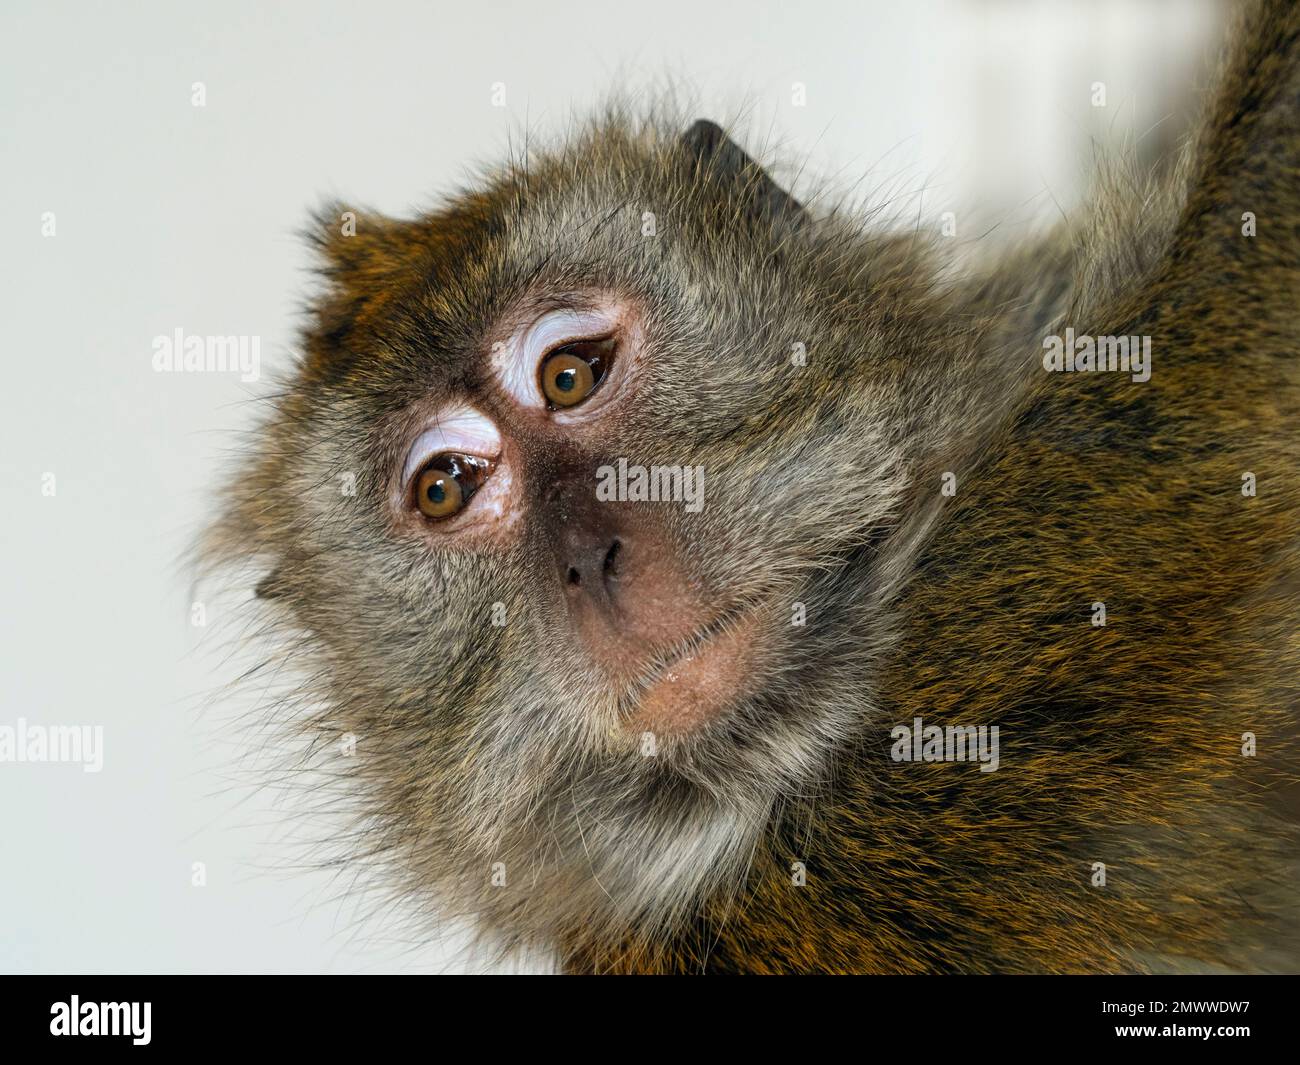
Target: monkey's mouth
[[698, 680]]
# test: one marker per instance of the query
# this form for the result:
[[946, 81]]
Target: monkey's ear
[[360, 255], [271, 586], [718, 158], [359, 250]]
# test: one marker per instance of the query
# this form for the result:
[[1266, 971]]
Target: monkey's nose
[[622, 586], [590, 545], [590, 564]]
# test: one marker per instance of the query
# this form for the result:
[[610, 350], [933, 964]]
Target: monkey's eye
[[447, 482], [573, 372]]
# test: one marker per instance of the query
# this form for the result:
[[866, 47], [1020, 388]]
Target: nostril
[[611, 559], [589, 568]]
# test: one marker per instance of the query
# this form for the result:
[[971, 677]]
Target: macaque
[[690, 730]]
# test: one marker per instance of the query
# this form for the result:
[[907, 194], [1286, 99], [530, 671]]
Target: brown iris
[[571, 373], [446, 484]]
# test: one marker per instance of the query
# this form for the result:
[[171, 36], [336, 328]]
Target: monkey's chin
[[697, 687]]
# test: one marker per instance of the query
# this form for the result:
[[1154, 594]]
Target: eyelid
[[517, 364], [465, 431]]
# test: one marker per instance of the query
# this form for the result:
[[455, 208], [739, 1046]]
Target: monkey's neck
[[979, 364]]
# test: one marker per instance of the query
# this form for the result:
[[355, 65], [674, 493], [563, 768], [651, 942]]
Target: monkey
[[980, 654]]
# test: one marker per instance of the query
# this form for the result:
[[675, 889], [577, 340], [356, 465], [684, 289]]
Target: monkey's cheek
[[699, 689]]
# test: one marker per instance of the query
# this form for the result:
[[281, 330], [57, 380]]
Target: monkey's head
[[573, 508]]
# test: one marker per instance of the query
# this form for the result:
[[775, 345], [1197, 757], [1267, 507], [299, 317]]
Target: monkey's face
[[572, 502]]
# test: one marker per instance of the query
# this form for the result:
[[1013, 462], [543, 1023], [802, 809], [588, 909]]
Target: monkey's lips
[[696, 684]]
